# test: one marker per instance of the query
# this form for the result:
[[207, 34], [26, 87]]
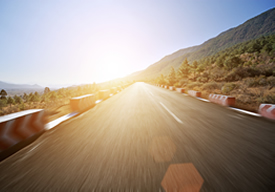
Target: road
[[127, 143]]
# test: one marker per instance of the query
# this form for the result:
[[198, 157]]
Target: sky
[[64, 42]]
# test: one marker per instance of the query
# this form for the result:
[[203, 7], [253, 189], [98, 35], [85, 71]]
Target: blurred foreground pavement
[[127, 143]]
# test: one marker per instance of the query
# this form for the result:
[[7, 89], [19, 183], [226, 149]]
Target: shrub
[[268, 97], [3, 103], [271, 81], [183, 82], [193, 84], [211, 86], [202, 79], [228, 87], [22, 106], [242, 72], [257, 81]]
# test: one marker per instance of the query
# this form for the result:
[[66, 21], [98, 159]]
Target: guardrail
[[82, 103], [194, 93], [17, 127], [113, 90], [267, 110], [222, 99], [181, 90], [17, 130], [104, 94], [172, 88]]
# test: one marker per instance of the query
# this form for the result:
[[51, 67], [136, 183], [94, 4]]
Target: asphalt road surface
[[127, 143]]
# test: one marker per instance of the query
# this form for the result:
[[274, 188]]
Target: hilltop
[[261, 25]]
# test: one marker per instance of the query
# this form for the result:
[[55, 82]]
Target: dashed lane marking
[[173, 115]]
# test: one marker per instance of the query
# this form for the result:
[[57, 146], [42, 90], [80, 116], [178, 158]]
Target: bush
[[257, 81], [22, 106], [3, 103], [203, 79], [193, 84], [242, 72], [228, 87], [271, 81], [268, 97], [183, 82], [211, 86]]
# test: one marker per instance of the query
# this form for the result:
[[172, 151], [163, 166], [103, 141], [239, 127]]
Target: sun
[[113, 65]]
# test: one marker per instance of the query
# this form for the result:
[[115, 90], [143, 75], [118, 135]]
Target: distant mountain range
[[261, 25], [8, 86]]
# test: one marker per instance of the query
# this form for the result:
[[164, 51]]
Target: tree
[[17, 99], [3, 94], [47, 90], [36, 94], [172, 77], [33, 98], [194, 67], [53, 96], [184, 69], [3, 103], [232, 62], [25, 97], [161, 79], [10, 101], [195, 64]]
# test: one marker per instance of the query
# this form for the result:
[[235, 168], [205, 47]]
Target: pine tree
[[10, 101], [25, 97], [172, 77], [194, 67], [46, 90], [184, 69], [17, 99], [3, 94]]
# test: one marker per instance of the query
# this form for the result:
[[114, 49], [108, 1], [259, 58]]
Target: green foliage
[[183, 82], [47, 90], [211, 86], [10, 101], [3, 103], [271, 81], [228, 87], [193, 84], [184, 69], [172, 77], [232, 62], [195, 64], [3, 94], [34, 98], [161, 80], [17, 99], [267, 98], [53, 95], [25, 97], [22, 106], [260, 81]]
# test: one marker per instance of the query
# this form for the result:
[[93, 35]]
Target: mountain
[[261, 25], [7, 86]]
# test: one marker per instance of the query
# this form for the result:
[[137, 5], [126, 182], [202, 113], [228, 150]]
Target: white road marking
[[246, 112], [173, 115], [151, 93], [202, 99], [55, 122]]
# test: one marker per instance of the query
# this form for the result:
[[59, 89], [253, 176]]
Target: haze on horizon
[[75, 42]]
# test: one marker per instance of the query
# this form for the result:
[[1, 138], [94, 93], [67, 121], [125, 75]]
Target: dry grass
[[249, 92]]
